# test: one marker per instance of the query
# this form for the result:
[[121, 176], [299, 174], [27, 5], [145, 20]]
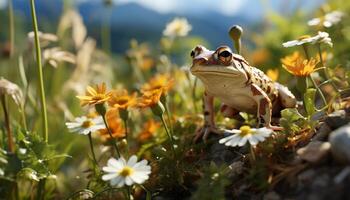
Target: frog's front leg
[[209, 124], [264, 109]]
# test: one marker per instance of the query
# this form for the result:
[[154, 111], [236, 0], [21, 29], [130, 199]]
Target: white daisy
[[177, 27], [321, 37], [121, 173], [84, 125], [327, 20], [246, 134]]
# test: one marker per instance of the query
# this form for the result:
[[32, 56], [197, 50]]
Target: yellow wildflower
[[298, 66], [121, 99], [161, 82], [150, 98], [272, 74], [114, 123], [95, 96], [148, 130]]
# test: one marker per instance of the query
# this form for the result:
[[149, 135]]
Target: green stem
[[126, 135], [169, 135], [252, 153], [40, 191], [194, 94], [10, 143], [312, 80], [319, 91], [12, 27], [110, 135], [106, 32], [326, 69], [92, 149], [40, 72], [129, 192]]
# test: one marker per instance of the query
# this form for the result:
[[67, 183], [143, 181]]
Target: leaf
[[28, 173], [291, 114], [309, 101]]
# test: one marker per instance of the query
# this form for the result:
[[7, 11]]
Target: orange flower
[[95, 96], [272, 74], [162, 82], [150, 98], [149, 129], [121, 99], [260, 56], [298, 66], [114, 123]]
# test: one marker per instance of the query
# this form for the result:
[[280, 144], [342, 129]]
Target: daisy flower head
[[121, 99], [84, 125], [94, 96], [246, 134], [328, 20], [177, 27], [121, 172], [321, 37]]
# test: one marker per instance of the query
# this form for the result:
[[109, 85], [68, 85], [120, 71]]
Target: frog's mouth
[[215, 70]]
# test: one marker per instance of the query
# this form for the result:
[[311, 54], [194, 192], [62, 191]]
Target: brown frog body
[[239, 86]]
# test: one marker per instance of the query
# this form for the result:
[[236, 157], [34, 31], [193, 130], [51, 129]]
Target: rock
[[307, 176], [337, 119], [340, 144], [271, 196], [322, 132], [236, 168], [315, 151]]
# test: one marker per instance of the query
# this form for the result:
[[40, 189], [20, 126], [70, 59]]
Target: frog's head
[[218, 63]]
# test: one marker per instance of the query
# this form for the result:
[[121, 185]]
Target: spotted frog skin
[[239, 86]]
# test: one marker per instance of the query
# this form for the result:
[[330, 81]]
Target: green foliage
[[291, 120], [212, 184]]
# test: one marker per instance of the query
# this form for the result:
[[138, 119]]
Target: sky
[[225, 7]]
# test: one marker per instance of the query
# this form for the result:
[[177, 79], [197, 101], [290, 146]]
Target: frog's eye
[[225, 56], [192, 54]]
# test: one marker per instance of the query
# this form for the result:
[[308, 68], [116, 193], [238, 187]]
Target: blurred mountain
[[134, 21], [131, 20]]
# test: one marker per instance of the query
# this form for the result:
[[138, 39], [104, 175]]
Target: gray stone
[[271, 196], [314, 152], [323, 131], [337, 119], [340, 144]]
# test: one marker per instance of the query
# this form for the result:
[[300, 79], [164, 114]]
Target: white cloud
[[226, 7]]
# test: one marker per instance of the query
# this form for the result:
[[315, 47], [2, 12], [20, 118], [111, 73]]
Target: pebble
[[315, 151], [337, 119], [340, 144]]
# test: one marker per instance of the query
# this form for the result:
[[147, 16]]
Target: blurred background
[[144, 20], [124, 44]]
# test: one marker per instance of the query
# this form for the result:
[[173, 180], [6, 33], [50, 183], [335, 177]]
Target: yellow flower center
[[126, 171], [245, 130], [303, 37], [123, 101], [98, 97], [87, 124]]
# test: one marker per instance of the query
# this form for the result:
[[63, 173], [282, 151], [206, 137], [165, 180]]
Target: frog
[[239, 86]]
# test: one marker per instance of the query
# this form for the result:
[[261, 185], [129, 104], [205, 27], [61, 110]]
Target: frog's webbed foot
[[204, 132]]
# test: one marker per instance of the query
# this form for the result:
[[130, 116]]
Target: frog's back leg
[[285, 96]]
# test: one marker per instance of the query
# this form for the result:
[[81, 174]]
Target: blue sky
[[226, 7]]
